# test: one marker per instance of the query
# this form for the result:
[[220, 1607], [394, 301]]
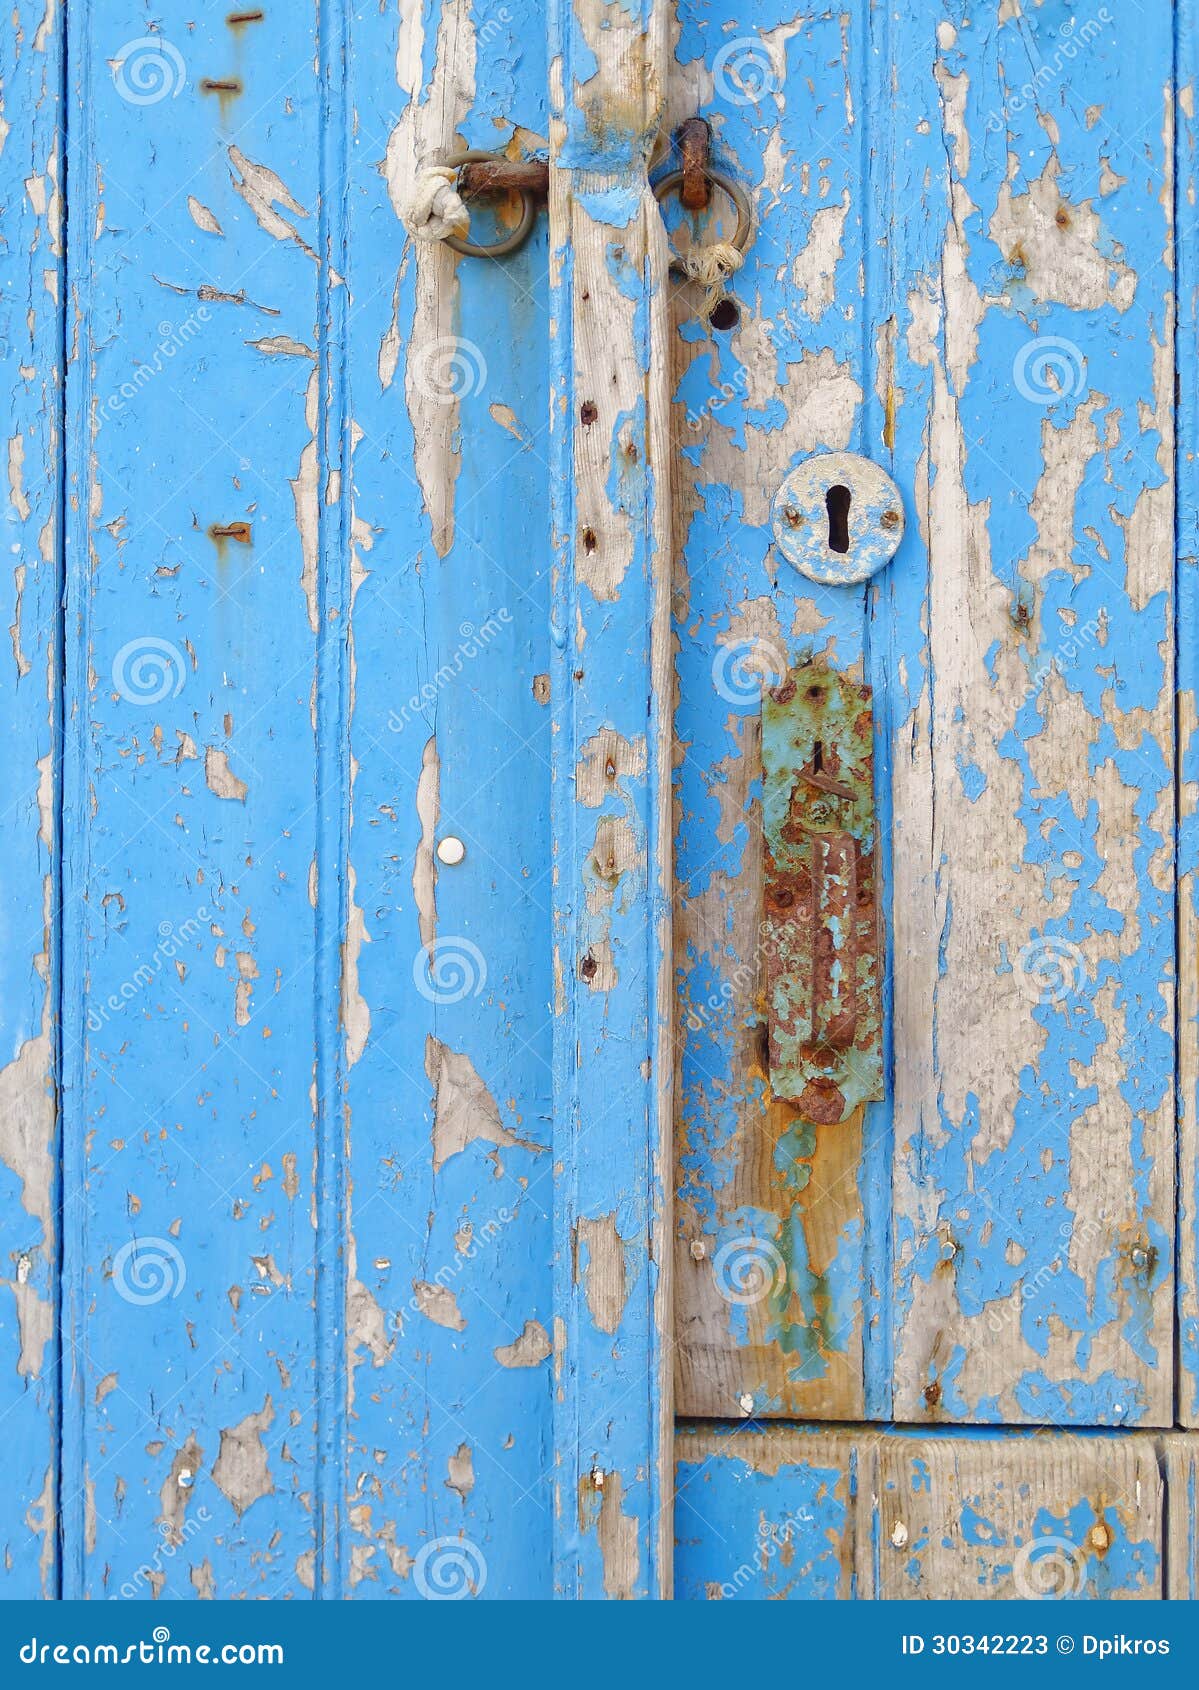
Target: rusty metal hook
[[672, 182], [526, 183]]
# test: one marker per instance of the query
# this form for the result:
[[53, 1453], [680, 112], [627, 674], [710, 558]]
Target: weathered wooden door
[[410, 1182], [966, 269]]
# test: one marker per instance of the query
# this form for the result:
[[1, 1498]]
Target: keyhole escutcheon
[[838, 517]]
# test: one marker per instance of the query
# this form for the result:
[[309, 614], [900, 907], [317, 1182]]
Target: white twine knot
[[435, 209], [712, 267]]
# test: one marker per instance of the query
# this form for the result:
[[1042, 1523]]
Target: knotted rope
[[711, 266], [435, 209]]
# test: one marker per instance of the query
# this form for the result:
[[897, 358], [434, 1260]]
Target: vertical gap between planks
[[331, 844]]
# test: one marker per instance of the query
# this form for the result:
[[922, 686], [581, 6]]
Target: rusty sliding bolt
[[503, 175], [694, 141], [821, 926]]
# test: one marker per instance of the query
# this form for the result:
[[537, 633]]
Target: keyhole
[[818, 756], [836, 503]]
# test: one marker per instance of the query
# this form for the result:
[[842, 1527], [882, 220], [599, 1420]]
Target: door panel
[[338, 733], [309, 1188], [874, 1514], [1032, 743], [995, 1241], [756, 1188]]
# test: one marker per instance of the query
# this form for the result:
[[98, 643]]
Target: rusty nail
[[791, 516], [695, 144], [890, 519], [239, 531]]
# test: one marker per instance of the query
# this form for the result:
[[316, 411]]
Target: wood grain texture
[[973, 287], [1027, 629], [612, 699], [1186, 201], [773, 1284], [31, 319], [445, 1475], [872, 1514], [197, 473]]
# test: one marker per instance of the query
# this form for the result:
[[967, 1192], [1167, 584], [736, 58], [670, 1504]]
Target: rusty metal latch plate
[[821, 926]]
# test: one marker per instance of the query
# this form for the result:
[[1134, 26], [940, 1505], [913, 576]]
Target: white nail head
[[450, 850]]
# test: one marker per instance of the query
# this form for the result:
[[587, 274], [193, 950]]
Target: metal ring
[[528, 211], [668, 184]]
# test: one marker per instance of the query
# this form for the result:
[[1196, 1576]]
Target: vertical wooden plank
[[776, 1219], [875, 1514], [31, 307], [611, 685], [1024, 337], [986, 1518], [767, 1516], [1186, 250], [199, 474], [446, 986]]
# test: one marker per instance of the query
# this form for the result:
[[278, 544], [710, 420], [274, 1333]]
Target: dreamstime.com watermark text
[[155, 1651]]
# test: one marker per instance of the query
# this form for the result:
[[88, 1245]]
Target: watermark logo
[[743, 72], [171, 940], [449, 369], [450, 1568], [771, 1539], [1048, 369], [735, 388], [172, 338], [473, 642], [148, 1270], [1048, 1568], [1066, 653], [147, 670], [1049, 969], [173, 1537], [1072, 38], [743, 668], [448, 969], [148, 70], [748, 1269]]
